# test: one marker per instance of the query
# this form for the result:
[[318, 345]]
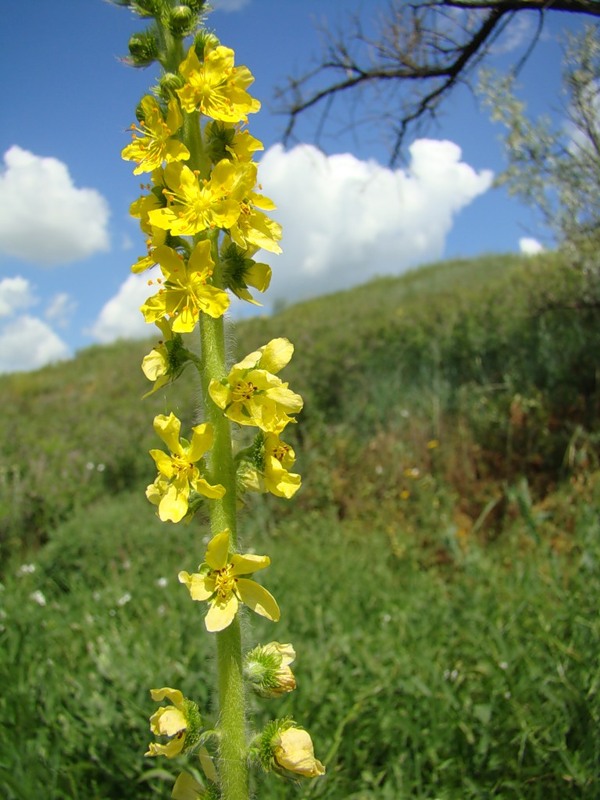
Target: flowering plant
[[205, 218]]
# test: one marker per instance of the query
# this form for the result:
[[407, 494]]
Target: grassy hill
[[438, 570]]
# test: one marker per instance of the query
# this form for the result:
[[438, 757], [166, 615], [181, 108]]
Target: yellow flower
[[178, 474], [223, 582], [156, 143], [195, 206], [293, 752], [253, 228], [267, 668], [267, 469], [185, 292], [181, 723], [166, 361], [230, 141], [241, 271], [216, 87], [253, 395]]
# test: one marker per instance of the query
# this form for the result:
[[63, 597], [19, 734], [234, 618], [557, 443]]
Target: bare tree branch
[[426, 48]]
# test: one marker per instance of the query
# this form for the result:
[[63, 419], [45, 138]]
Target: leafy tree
[[554, 166]]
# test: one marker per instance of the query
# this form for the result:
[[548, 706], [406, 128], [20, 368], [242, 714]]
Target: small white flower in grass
[[161, 583], [124, 599], [38, 597], [26, 569]]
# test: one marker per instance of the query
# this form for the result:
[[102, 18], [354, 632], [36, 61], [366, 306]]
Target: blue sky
[[66, 238]]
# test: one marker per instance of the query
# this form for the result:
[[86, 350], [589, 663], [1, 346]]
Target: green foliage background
[[438, 573]]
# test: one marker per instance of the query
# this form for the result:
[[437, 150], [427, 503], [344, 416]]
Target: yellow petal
[[217, 550], [258, 599], [199, 586], [220, 615], [174, 695], [248, 563], [276, 354]]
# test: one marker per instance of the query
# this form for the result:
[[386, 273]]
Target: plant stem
[[233, 771]]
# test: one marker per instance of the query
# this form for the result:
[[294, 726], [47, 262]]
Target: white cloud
[[15, 295], [529, 246], [120, 317], [27, 343], [60, 308], [44, 218], [346, 221], [228, 5]]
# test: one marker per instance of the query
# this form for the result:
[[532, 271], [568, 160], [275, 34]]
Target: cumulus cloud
[[120, 317], [44, 218], [27, 343], [346, 220], [529, 246], [15, 295]]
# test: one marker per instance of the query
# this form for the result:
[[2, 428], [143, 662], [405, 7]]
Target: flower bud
[[204, 39], [267, 669], [146, 8], [143, 49], [181, 20], [294, 753], [287, 749], [168, 84]]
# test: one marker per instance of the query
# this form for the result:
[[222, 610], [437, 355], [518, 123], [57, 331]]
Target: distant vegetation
[[449, 629]]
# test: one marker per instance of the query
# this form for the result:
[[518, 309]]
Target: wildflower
[[124, 599], [293, 752], [230, 141], [178, 473], [267, 668], [215, 86], [156, 142], [267, 469], [240, 271], [166, 361], [38, 597], [223, 581], [252, 395], [185, 292], [286, 748], [195, 206], [432, 444], [253, 228], [180, 722]]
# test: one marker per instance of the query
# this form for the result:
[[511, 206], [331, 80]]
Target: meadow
[[438, 573]]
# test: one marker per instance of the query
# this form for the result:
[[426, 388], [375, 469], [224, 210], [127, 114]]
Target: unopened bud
[[181, 20], [143, 49], [204, 39], [267, 669], [287, 749], [168, 84]]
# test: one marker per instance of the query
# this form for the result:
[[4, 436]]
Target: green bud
[[267, 670], [203, 39], [168, 84], [146, 8], [181, 20], [143, 49], [197, 6]]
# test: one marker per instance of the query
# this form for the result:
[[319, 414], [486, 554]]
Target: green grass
[[438, 573]]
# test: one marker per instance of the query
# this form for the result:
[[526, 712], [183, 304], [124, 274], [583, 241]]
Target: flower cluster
[[205, 218]]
